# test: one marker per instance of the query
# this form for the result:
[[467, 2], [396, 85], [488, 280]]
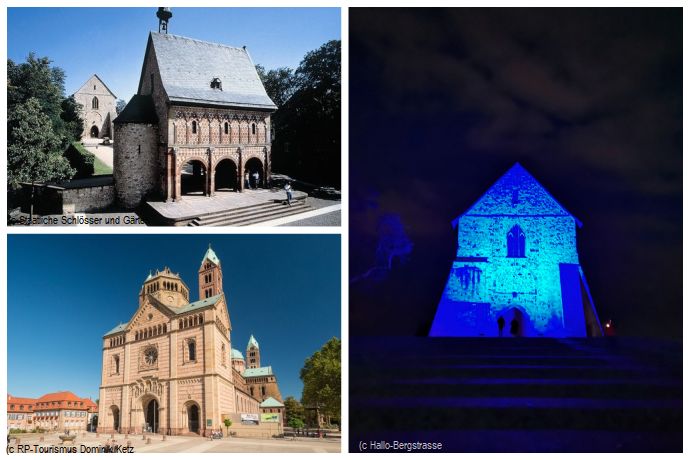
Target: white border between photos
[[343, 230]]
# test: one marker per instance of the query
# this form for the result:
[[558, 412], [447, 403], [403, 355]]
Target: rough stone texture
[[101, 117], [87, 199], [486, 282], [136, 166]]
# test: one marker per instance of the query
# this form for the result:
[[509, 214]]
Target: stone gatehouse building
[[199, 123], [98, 108], [171, 368]]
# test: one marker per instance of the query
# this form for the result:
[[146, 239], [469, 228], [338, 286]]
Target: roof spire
[[164, 15]]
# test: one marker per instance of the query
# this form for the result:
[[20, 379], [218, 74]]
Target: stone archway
[[116, 417], [192, 417], [517, 322], [152, 417], [94, 131], [193, 178], [226, 176], [255, 168]]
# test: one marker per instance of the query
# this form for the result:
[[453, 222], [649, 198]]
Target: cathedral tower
[[253, 353], [210, 275]]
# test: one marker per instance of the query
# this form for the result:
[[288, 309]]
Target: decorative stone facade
[[213, 118], [170, 368], [98, 108], [517, 260]]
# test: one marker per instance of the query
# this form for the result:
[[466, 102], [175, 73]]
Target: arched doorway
[[94, 131], [116, 417], [256, 173], [193, 418], [152, 417], [226, 175], [193, 178], [516, 322]]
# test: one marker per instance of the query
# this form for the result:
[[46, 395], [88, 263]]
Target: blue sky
[[66, 291], [111, 42]]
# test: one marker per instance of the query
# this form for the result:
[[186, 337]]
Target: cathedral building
[[199, 122], [171, 368], [516, 265], [97, 108]]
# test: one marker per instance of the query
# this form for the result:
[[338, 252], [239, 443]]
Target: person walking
[[256, 179], [501, 325], [246, 179], [288, 192]]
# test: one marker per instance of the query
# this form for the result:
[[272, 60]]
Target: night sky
[[589, 101]]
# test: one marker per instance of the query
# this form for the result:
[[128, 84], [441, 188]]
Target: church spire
[[164, 15], [210, 275]]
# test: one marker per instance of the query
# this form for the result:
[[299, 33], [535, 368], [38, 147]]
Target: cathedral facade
[[171, 368], [97, 108], [516, 265], [200, 122]]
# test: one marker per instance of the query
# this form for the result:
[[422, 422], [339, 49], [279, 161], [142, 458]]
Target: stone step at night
[[505, 387], [250, 215]]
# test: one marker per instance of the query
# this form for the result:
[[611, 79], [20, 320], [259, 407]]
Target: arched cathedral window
[[94, 103], [516, 242], [194, 127]]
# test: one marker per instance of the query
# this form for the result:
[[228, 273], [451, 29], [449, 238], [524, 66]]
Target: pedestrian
[[246, 179], [256, 179], [501, 325], [514, 326], [288, 192]]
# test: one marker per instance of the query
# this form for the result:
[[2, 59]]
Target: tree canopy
[[322, 378], [41, 123], [307, 122]]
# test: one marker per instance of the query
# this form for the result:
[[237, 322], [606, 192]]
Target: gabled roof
[[258, 372], [516, 193], [271, 402], [188, 66], [252, 342], [139, 109], [99, 79], [199, 304], [119, 328], [211, 255]]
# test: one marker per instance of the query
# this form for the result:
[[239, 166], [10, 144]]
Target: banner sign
[[270, 418], [249, 419]]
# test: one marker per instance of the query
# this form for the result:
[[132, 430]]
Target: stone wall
[[136, 163], [87, 199], [101, 117]]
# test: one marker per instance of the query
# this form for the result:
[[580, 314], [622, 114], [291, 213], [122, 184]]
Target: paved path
[[307, 218], [189, 444], [102, 152]]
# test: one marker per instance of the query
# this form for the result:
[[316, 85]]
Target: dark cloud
[[443, 101]]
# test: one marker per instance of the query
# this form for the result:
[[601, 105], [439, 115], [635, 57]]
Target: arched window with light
[[516, 242]]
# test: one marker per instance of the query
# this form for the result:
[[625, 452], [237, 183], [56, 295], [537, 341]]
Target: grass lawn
[[100, 168]]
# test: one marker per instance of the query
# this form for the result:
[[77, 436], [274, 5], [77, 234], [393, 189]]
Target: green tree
[[280, 83], [227, 422], [321, 378], [295, 423], [293, 409], [70, 116], [34, 151]]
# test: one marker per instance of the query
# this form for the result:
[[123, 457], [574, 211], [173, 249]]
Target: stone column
[[210, 180], [240, 168], [173, 412], [267, 165]]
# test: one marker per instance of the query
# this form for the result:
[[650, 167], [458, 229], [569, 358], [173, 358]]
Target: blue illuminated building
[[517, 260]]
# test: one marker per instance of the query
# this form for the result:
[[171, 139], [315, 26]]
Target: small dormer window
[[216, 84]]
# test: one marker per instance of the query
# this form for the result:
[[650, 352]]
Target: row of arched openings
[[191, 321], [151, 332], [117, 341]]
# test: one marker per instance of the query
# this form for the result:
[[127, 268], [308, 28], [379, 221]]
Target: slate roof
[[139, 109], [252, 341], [271, 402], [188, 66], [258, 372]]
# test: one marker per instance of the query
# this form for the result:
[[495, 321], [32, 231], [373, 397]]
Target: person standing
[[246, 179], [501, 325], [256, 179], [288, 192]]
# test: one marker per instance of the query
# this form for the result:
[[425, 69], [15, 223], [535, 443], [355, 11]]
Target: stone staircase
[[518, 394], [249, 215]]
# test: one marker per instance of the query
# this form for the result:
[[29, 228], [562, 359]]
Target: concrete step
[[250, 214]]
